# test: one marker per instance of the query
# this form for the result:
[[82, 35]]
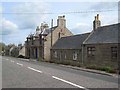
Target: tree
[[7, 49], [2, 47], [15, 52]]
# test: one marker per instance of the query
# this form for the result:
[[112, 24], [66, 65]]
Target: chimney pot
[[97, 16]]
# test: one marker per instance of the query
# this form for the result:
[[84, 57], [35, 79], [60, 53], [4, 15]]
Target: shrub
[[66, 63], [107, 69], [104, 68], [39, 59], [78, 64], [91, 67]]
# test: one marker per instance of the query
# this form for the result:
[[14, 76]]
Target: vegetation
[[9, 50], [67, 62], [2, 47], [39, 58], [15, 52], [107, 69]]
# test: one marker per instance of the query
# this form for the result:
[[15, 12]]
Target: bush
[[104, 68], [38, 59], [107, 69], [78, 64], [91, 67], [66, 63]]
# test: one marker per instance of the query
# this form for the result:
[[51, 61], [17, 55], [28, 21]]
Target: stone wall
[[22, 51], [47, 44], [65, 56], [102, 56]]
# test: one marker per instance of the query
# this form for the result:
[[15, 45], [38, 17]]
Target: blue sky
[[21, 18]]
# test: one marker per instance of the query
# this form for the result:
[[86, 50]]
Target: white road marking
[[20, 64], [12, 61], [68, 82], [35, 70], [23, 59], [7, 59]]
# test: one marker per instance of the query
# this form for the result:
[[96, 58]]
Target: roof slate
[[70, 42], [104, 34]]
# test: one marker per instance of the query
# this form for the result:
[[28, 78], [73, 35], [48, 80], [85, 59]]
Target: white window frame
[[75, 55], [65, 55], [55, 54]]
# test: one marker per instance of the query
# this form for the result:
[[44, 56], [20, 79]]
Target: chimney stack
[[61, 22], [37, 29], [96, 22]]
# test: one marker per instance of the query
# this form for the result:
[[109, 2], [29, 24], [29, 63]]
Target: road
[[18, 73]]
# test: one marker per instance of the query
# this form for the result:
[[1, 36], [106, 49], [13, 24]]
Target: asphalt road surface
[[18, 73]]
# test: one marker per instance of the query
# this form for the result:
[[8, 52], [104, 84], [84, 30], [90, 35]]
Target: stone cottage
[[38, 45], [68, 50], [101, 47]]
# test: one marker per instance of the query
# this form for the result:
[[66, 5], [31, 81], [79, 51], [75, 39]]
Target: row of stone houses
[[38, 45], [57, 44], [99, 47]]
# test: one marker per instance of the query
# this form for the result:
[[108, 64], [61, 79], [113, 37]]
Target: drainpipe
[[82, 53]]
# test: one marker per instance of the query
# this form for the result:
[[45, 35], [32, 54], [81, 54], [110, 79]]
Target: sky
[[19, 19]]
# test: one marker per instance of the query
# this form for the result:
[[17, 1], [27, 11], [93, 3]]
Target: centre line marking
[[12, 61], [69, 82], [7, 59], [35, 70], [20, 64]]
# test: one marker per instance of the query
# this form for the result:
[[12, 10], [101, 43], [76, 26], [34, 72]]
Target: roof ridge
[[109, 25], [77, 35]]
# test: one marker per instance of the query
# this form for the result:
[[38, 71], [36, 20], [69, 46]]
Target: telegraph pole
[[51, 32]]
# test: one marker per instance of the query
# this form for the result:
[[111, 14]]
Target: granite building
[[99, 47], [68, 50], [38, 45]]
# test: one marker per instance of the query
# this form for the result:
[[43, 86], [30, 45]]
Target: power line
[[73, 12]]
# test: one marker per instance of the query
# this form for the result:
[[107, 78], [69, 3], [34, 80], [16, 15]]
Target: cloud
[[105, 6], [29, 15], [81, 28], [16, 38], [108, 19], [0, 9], [26, 16], [8, 27]]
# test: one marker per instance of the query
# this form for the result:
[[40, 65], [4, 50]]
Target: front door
[[36, 53]]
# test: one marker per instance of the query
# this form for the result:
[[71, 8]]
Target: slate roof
[[46, 31], [70, 42], [104, 34]]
